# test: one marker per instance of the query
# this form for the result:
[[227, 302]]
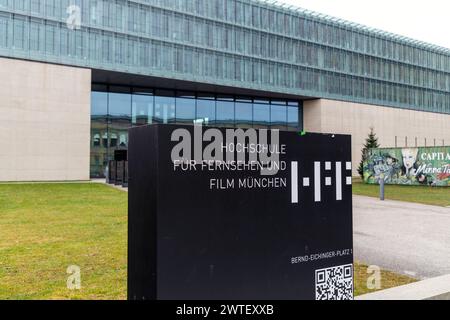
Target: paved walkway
[[408, 238]]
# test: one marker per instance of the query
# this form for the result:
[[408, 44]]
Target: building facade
[[107, 65]]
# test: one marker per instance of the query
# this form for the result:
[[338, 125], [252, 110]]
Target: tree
[[371, 142]]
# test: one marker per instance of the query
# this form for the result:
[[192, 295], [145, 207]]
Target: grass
[[44, 228], [418, 194], [388, 279]]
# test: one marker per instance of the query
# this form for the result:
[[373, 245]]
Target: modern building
[[76, 74]]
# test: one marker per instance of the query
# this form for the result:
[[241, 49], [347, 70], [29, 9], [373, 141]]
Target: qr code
[[335, 283]]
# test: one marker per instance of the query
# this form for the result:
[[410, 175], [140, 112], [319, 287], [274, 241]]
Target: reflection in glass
[[119, 105], [206, 96], [261, 116], [206, 112], [115, 112], [142, 111], [99, 105], [225, 114], [113, 140], [186, 94], [293, 119], [279, 102], [164, 107], [96, 139], [244, 99], [261, 101], [244, 115], [278, 117], [185, 113], [99, 129], [300, 116]]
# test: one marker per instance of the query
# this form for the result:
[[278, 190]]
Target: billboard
[[233, 214], [408, 166]]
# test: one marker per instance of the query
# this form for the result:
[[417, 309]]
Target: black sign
[[226, 214]]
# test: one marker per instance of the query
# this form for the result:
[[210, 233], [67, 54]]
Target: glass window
[[279, 102], [261, 101], [206, 96], [244, 115], [300, 117], [113, 139], [142, 111], [206, 112], [105, 140], [99, 131], [119, 89], [225, 97], [114, 112], [225, 114], [99, 105], [186, 94], [119, 107], [96, 138], [164, 107], [261, 116], [185, 110], [293, 119], [244, 99], [278, 117]]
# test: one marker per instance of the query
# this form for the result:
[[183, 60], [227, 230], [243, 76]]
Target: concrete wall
[[394, 127], [44, 122]]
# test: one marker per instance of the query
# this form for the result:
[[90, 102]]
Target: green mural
[[409, 166]]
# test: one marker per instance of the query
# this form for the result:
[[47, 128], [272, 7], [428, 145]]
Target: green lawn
[[418, 194], [388, 279], [44, 228]]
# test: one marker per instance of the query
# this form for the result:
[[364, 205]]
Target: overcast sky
[[426, 20]]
